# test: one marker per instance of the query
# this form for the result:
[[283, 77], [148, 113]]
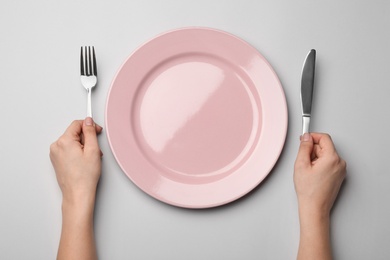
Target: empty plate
[[196, 117]]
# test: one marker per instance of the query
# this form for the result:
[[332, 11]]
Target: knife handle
[[305, 124]]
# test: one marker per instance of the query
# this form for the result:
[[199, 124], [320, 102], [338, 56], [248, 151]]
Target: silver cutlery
[[307, 86], [88, 73]]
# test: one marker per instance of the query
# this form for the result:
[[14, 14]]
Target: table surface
[[41, 95]]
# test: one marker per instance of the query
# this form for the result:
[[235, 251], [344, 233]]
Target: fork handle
[[89, 103]]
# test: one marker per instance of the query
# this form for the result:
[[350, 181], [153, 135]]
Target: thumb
[[305, 150], [89, 132]]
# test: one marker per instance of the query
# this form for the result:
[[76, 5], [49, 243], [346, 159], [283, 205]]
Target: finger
[[89, 134], [98, 128], [305, 151], [316, 151], [82, 139], [324, 141], [74, 130]]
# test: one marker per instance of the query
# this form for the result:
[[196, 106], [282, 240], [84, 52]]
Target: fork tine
[[86, 65], [89, 61], [94, 62], [82, 62]]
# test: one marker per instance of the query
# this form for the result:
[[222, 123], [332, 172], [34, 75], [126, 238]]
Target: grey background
[[41, 94]]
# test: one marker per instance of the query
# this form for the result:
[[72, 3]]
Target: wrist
[[314, 234], [78, 203], [78, 214], [312, 217], [314, 209]]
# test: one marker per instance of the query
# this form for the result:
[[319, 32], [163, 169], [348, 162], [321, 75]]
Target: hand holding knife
[[307, 85]]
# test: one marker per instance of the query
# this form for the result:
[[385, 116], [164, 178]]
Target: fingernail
[[306, 137], [88, 121]]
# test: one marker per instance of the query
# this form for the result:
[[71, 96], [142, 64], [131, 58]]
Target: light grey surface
[[41, 94]]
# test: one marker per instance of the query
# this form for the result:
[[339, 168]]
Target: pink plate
[[196, 117]]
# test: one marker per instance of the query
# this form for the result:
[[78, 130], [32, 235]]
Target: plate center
[[197, 116]]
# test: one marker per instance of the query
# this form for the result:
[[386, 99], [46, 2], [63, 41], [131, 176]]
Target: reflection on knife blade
[[307, 85]]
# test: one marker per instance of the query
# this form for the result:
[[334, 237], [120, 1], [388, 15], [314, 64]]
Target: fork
[[88, 73]]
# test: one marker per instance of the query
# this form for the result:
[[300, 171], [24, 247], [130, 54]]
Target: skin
[[76, 158], [318, 174]]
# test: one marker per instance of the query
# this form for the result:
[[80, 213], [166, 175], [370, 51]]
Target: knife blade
[[307, 86]]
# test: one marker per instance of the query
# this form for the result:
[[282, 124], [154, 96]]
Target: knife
[[307, 85]]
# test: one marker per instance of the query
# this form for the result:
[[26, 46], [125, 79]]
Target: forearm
[[77, 237], [314, 236]]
